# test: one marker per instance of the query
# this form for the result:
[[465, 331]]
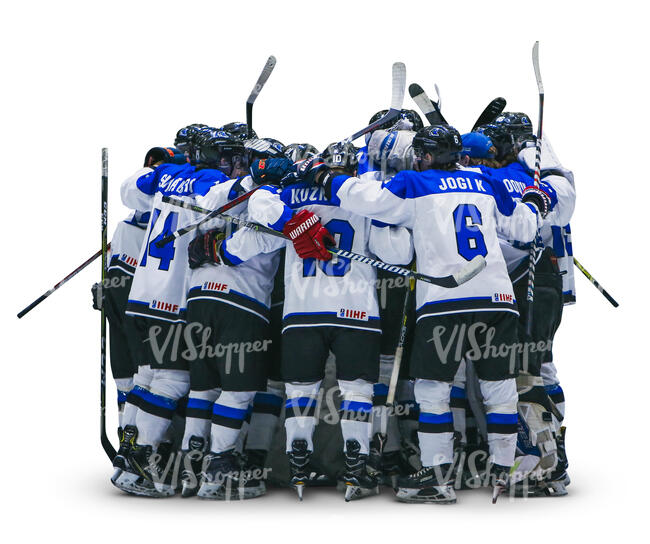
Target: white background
[[77, 76]]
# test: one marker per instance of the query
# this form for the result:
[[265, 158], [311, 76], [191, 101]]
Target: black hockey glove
[[538, 198], [272, 170], [205, 248], [159, 155], [98, 293], [317, 172]]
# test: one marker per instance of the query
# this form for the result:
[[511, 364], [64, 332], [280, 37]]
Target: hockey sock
[[141, 380], [500, 401], [300, 412], [552, 385], [228, 415], [124, 386], [407, 409], [436, 428], [267, 406], [158, 404], [458, 403], [356, 409], [198, 415]]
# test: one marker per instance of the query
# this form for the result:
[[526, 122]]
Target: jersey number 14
[[166, 252]]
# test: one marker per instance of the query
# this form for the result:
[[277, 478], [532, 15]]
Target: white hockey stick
[[397, 99]]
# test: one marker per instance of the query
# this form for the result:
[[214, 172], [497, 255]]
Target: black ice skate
[[500, 481], [429, 484], [192, 461], [299, 466], [220, 477], [359, 483], [128, 436], [148, 474], [254, 473]]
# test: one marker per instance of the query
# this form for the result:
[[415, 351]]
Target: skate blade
[[116, 474], [300, 488], [496, 492], [416, 496], [354, 492], [189, 490]]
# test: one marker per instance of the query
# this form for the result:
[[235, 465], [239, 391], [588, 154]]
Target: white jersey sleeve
[[138, 190], [390, 244]]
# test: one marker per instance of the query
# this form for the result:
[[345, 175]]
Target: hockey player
[[122, 262], [228, 312], [157, 300], [539, 454], [455, 215], [329, 305]]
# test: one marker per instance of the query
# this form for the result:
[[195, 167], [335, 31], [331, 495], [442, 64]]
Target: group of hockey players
[[224, 330]]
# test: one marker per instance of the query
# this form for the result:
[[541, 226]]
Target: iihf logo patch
[[502, 297]]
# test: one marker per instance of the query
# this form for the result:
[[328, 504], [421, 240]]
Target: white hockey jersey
[[338, 292], [247, 286], [126, 243], [556, 231], [454, 216], [160, 283]]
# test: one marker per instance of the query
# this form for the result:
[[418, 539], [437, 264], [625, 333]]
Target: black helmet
[[217, 145], [518, 124], [342, 156], [378, 116], [238, 130], [442, 141], [412, 117], [502, 138], [263, 148], [299, 152], [185, 135]]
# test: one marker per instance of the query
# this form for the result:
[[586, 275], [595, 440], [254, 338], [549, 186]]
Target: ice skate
[[428, 485]]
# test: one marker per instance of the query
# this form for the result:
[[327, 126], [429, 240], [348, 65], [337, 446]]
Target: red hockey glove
[[310, 238]]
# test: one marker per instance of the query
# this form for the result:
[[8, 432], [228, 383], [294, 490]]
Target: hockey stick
[[465, 274], [530, 293], [397, 99], [180, 232], [64, 280], [491, 112], [430, 109], [106, 443], [261, 81], [595, 283], [399, 350]]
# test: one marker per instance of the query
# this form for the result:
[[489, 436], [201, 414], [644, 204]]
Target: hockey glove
[[310, 238], [538, 198], [158, 155], [317, 172], [272, 170], [204, 249], [98, 293]]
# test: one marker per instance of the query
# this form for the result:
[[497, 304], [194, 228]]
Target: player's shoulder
[[304, 193]]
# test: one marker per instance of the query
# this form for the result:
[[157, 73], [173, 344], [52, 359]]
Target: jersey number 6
[[469, 237]]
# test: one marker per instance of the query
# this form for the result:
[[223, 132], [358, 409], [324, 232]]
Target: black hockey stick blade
[[261, 81], [426, 105], [398, 89], [491, 112]]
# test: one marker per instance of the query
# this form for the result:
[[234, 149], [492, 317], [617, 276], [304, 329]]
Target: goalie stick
[[261, 81], [106, 443], [465, 274], [430, 109], [397, 99], [491, 112], [597, 285], [530, 293]]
